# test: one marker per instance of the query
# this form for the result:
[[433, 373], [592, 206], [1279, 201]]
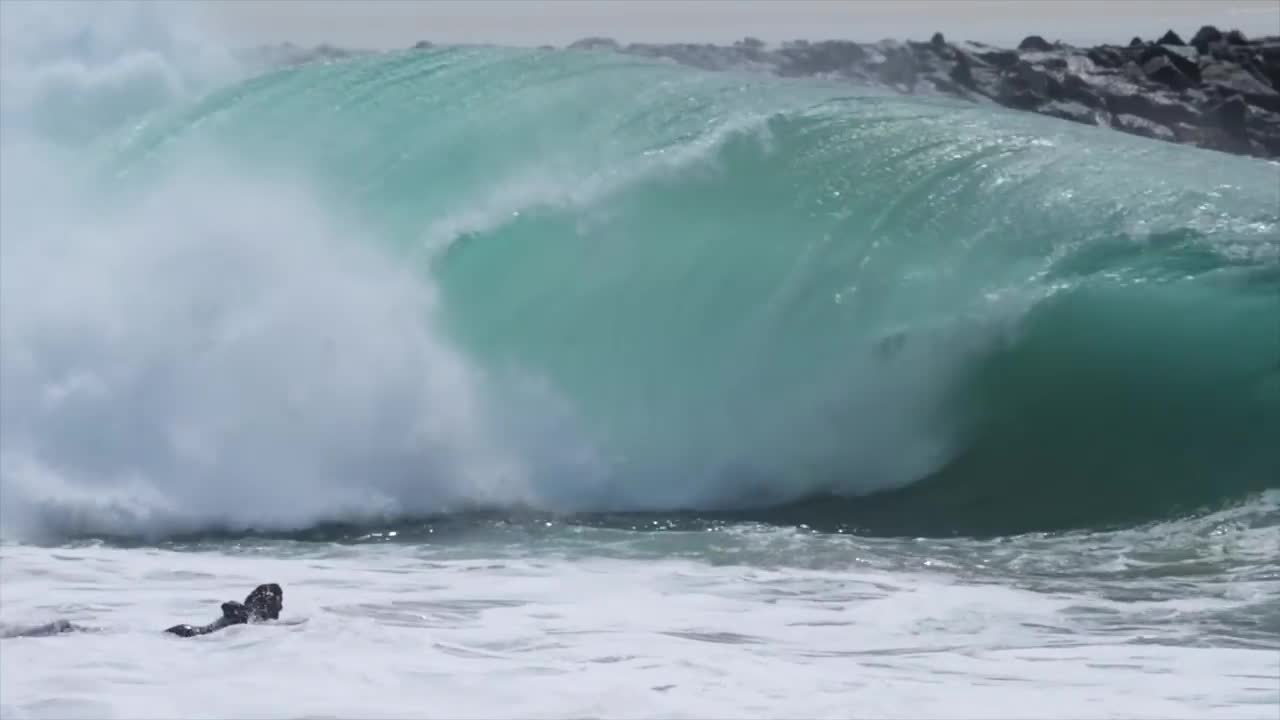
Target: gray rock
[[962, 71], [1106, 57], [1076, 89], [1206, 36], [1264, 132], [1164, 90], [1229, 79], [999, 58], [1227, 126], [1155, 105], [1163, 71], [1230, 115], [1034, 79], [1186, 65], [1073, 111], [1035, 43], [899, 68], [1141, 126]]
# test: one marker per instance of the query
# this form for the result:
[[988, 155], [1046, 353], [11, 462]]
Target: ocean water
[[570, 384]]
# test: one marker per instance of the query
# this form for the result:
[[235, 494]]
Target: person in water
[[57, 627], [264, 603]]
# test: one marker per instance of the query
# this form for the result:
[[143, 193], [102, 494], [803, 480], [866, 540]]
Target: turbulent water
[[556, 383]]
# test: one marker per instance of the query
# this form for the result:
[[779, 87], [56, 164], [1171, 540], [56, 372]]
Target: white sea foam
[[219, 349], [591, 625]]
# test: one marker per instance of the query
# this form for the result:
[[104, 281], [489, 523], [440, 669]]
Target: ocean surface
[[572, 384]]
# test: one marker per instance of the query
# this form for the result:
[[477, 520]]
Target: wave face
[[433, 281]]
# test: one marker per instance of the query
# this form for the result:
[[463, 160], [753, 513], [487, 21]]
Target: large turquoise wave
[[716, 292]]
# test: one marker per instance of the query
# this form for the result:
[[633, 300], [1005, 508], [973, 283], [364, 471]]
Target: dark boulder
[[1077, 89], [1225, 79], [1228, 125], [1132, 71], [1230, 115], [1025, 86], [1127, 99], [1170, 38], [1268, 51], [1034, 43], [962, 71], [1073, 111], [1106, 57], [999, 58], [1235, 37], [1206, 36], [1136, 42], [938, 42], [1264, 130], [899, 68], [1141, 126], [1272, 73], [1162, 70], [1269, 102], [1188, 133], [1220, 52], [1052, 63], [1037, 78], [1267, 64], [1180, 59], [1269, 144], [1019, 98]]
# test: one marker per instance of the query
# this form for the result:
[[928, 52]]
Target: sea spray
[[215, 349]]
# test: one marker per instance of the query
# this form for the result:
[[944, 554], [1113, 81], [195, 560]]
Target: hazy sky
[[398, 23]]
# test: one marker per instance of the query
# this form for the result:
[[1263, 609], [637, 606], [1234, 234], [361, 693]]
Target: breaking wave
[[432, 282]]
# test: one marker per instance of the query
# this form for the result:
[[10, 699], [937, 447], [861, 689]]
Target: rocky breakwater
[[1219, 90]]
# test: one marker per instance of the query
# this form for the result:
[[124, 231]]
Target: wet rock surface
[[1220, 91]]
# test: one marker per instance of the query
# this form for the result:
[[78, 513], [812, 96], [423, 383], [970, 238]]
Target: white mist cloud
[[215, 347]]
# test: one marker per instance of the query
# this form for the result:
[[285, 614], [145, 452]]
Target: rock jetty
[[1219, 90]]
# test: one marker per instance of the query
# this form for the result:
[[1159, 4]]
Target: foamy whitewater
[[573, 384]]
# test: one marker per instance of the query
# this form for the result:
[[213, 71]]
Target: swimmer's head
[[265, 602]]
